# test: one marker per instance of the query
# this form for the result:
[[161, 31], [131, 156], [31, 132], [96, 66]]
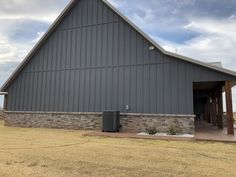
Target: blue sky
[[201, 29]]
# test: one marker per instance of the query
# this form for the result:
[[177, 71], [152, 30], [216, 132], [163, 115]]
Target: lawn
[[59, 153]]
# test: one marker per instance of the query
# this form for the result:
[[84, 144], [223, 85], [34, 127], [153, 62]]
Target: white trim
[[3, 93]]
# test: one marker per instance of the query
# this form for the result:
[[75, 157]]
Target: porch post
[[229, 107], [220, 110]]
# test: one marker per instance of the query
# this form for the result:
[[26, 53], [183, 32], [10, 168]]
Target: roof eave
[[167, 52]]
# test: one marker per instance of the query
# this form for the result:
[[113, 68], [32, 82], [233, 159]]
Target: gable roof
[[155, 44]]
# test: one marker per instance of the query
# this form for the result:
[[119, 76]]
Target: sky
[[200, 29]]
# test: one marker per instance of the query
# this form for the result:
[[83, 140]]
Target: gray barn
[[93, 59]]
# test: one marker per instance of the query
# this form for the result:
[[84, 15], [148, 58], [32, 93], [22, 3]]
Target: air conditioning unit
[[111, 121]]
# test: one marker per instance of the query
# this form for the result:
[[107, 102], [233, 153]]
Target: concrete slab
[[207, 132]]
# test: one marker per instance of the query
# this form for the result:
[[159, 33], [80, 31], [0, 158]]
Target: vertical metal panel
[[81, 89], [43, 91], [160, 88], [153, 89], [47, 91], [79, 15], [85, 13], [116, 44], [21, 93], [109, 90], [146, 90], [87, 90], [104, 44], [98, 90], [174, 88], [90, 12], [139, 95], [95, 61], [110, 45], [121, 43], [133, 89], [189, 89], [133, 47], [167, 88], [78, 47], [121, 88], [71, 91], [103, 89], [67, 91], [95, 12], [92, 90], [99, 45], [127, 45], [115, 89], [62, 91], [126, 86], [88, 47], [182, 87], [105, 13], [52, 92], [57, 91], [68, 50], [32, 105], [73, 49], [93, 48], [139, 49], [83, 47], [76, 91]]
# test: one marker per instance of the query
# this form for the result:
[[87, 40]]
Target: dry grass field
[[64, 153]]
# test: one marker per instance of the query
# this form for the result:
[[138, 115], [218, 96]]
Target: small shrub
[[174, 130], [151, 131]]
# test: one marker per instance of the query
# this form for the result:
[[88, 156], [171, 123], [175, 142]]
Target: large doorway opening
[[208, 105]]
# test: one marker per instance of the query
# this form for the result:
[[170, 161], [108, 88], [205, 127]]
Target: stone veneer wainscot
[[131, 122]]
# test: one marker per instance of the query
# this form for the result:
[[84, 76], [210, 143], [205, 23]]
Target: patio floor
[[207, 132]]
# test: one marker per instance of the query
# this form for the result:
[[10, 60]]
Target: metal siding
[[133, 89], [139, 103], [167, 88], [95, 61], [115, 89], [81, 89], [127, 87], [182, 85], [76, 91], [98, 90], [160, 89], [87, 90], [109, 92], [92, 89], [146, 90], [153, 88], [174, 88], [103, 89]]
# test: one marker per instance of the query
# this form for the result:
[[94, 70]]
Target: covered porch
[[210, 123]]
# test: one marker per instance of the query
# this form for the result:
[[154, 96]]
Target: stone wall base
[[131, 122], [2, 115]]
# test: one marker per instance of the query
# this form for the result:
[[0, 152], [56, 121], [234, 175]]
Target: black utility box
[[111, 121]]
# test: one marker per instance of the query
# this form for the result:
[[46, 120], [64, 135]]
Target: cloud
[[34, 9]]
